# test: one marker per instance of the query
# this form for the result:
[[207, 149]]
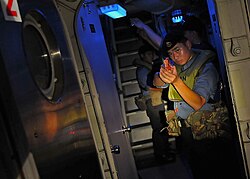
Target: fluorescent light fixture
[[114, 11], [177, 16], [177, 19]]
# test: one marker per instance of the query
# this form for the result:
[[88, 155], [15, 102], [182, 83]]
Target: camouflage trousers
[[204, 124], [210, 124]]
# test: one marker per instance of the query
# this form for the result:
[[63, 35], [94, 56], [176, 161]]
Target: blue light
[[177, 16], [114, 11], [177, 19]]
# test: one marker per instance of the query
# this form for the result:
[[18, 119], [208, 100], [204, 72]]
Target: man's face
[[148, 56], [192, 36], [180, 53]]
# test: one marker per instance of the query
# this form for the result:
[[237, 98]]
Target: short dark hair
[[193, 23], [145, 48], [170, 40]]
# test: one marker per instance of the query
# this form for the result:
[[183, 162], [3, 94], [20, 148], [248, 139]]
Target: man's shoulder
[[205, 52], [205, 56], [203, 46]]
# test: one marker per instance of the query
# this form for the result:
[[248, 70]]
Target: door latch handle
[[235, 47], [126, 129], [115, 149]]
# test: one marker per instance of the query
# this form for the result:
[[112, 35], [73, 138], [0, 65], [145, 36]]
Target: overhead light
[[177, 19], [177, 16], [114, 11]]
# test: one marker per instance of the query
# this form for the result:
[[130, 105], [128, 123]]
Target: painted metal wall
[[232, 31]]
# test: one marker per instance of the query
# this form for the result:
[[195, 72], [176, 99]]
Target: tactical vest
[[189, 75]]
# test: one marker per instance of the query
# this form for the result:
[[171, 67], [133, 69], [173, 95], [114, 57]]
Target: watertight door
[[103, 89]]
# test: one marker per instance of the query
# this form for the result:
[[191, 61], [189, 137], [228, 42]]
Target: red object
[[9, 11], [167, 64]]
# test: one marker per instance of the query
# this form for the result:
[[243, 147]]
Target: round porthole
[[43, 56]]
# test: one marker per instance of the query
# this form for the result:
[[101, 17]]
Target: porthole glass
[[43, 56]]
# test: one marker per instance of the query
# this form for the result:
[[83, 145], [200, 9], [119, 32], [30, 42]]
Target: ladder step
[[131, 95], [130, 82], [127, 40], [133, 113], [125, 54], [127, 68], [141, 142]]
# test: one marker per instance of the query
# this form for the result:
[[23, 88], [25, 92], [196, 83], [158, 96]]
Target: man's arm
[[148, 34], [188, 95]]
